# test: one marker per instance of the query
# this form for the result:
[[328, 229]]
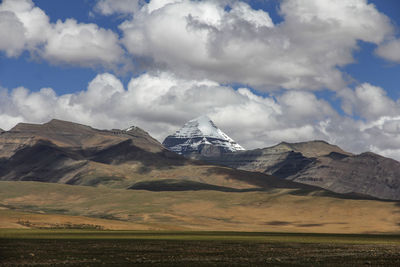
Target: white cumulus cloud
[[108, 7], [368, 101], [390, 50], [11, 27], [82, 44], [204, 39], [161, 102], [66, 42]]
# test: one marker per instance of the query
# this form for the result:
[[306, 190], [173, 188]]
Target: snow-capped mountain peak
[[197, 134], [201, 126]]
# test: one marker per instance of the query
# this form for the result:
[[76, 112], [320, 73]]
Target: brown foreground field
[[53, 224], [160, 248], [45, 205]]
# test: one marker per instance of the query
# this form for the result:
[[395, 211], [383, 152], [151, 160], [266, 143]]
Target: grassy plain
[[56, 224], [168, 248], [44, 205]]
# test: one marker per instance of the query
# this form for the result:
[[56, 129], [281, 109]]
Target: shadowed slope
[[367, 173], [184, 185]]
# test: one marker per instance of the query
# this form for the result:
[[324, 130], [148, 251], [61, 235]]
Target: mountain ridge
[[321, 164], [315, 163], [70, 153]]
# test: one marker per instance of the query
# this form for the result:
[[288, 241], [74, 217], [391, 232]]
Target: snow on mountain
[[202, 136], [131, 128]]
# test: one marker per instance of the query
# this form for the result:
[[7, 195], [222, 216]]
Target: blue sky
[[299, 69]]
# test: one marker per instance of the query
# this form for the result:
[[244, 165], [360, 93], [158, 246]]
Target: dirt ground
[[68, 252]]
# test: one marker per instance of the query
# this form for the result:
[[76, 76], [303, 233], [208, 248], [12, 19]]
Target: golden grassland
[[43, 205]]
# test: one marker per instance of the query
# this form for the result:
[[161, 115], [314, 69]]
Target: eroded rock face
[[320, 164]]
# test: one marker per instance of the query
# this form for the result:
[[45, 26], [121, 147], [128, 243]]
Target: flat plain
[[46, 205], [55, 224], [188, 248]]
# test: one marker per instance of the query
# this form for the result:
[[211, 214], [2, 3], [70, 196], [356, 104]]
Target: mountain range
[[125, 179], [75, 154], [316, 163]]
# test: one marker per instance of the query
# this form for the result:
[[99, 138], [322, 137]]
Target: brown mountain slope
[[313, 149], [70, 153], [321, 164], [74, 135], [282, 160], [367, 173]]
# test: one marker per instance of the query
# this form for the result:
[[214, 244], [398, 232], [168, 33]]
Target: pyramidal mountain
[[200, 136]]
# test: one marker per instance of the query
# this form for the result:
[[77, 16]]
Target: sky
[[265, 71]]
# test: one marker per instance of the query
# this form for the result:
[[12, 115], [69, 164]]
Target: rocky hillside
[[321, 164], [367, 174]]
